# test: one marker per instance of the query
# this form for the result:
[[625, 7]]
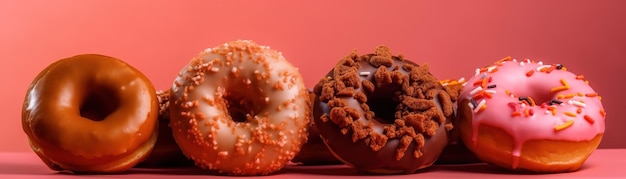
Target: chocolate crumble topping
[[415, 104]]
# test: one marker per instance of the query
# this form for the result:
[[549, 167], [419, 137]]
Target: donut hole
[[99, 103], [538, 98], [239, 108], [383, 103], [384, 110]]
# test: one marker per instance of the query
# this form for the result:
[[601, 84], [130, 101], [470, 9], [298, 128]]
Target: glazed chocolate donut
[[166, 152], [314, 151], [382, 114], [240, 109], [456, 152], [90, 113]]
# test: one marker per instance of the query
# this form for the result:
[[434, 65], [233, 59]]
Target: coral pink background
[[453, 37]]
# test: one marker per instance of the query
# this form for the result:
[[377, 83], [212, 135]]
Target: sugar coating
[[240, 109]]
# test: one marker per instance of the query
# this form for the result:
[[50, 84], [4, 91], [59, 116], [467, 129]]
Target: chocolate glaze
[[314, 151], [456, 152], [359, 153]]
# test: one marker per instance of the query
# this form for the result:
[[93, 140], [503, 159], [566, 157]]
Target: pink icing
[[579, 117]]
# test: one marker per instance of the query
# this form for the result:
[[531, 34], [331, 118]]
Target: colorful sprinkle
[[528, 112], [542, 68], [553, 111], [589, 119], [473, 103], [580, 77], [516, 113], [559, 66], [591, 94], [561, 88], [567, 96], [491, 86], [529, 101], [576, 103], [507, 92], [570, 114], [530, 73], [513, 106], [564, 125], [554, 101], [505, 59], [602, 113], [579, 110], [490, 91], [475, 91], [481, 106], [552, 67]]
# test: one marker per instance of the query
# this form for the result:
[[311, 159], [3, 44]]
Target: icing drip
[[543, 102]]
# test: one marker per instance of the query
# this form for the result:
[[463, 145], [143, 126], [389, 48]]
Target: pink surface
[[602, 163], [453, 37]]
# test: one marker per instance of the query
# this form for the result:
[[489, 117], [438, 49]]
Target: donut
[[166, 152], [90, 113], [455, 152], [531, 117], [314, 151], [240, 109], [382, 114]]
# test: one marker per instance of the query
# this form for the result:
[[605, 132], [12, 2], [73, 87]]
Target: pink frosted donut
[[530, 116]]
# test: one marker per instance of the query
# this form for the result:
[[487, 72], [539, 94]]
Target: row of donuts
[[242, 109]]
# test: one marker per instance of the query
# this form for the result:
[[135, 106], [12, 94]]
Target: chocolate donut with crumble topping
[[314, 151], [456, 152], [383, 114]]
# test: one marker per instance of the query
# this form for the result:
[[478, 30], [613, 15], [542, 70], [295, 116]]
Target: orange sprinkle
[[579, 110], [484, 83], [479, 82], [602, 113], [507, 92], [494, 70], [516, 113], [527, 112], [485, 94], [580, 77], [499, 62], [561, 88], [552, 110], [564, 125], [589, 119], [591, 94], [530, 73], [579, 94], [483, 107], [570, 114], [532, 101], [567, 96], [551, 68]]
